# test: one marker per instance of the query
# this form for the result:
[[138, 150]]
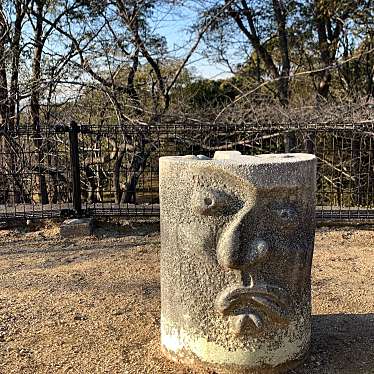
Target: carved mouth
[[249, 305]]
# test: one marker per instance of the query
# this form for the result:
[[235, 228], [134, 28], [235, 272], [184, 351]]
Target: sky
[[174, 27]]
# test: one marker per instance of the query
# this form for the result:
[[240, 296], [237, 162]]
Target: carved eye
[[210, 202], [287, 216]]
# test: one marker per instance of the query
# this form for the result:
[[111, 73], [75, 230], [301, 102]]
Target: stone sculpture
[[237, 237]]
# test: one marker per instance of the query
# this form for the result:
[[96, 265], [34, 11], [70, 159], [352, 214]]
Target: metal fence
[[112, 170]]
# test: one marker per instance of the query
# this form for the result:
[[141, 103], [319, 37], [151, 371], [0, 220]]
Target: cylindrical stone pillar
[[237, 237]]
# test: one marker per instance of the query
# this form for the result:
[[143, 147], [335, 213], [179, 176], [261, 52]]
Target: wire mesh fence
[[35, 176], [112, 170]]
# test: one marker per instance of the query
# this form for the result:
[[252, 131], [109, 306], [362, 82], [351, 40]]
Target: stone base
[[200, 351], [77, 227], [194, 363]]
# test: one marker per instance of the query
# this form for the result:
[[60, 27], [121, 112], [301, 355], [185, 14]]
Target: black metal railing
[[112, 170]]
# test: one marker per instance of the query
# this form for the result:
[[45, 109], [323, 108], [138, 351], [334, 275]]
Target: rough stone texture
[[237, 237], [77, 227]]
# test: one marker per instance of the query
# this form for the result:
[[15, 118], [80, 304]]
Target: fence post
[[75, 167]]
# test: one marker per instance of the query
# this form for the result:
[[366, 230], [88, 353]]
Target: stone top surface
[[235, 157]]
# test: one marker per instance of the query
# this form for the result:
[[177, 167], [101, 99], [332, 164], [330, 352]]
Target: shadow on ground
[[134, 228], [107, 235], [341, 344]]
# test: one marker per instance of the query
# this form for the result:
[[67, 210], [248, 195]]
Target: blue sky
[[174, 26]]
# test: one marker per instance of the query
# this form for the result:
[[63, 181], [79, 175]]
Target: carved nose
[[235, 250]]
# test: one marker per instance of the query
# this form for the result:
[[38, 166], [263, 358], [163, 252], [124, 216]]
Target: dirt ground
[[93, 305]]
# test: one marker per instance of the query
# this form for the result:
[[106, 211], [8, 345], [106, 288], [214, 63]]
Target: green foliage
[[209, 93]]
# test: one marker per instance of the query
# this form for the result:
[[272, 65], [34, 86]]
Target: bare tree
[[127, 24], [4, 35]]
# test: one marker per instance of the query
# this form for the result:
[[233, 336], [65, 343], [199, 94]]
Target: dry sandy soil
[[92, 305]]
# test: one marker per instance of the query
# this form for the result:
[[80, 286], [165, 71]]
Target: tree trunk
[[280, 15], [328, 39], [137, 167], [290, 141], [92, 189], [310, 142], [16, 51], [35, 97], [251, 33], [117, 175], [3, 90], [3, 76], [369, 67]]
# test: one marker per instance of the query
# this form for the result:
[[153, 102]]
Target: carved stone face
[[236, 258]]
